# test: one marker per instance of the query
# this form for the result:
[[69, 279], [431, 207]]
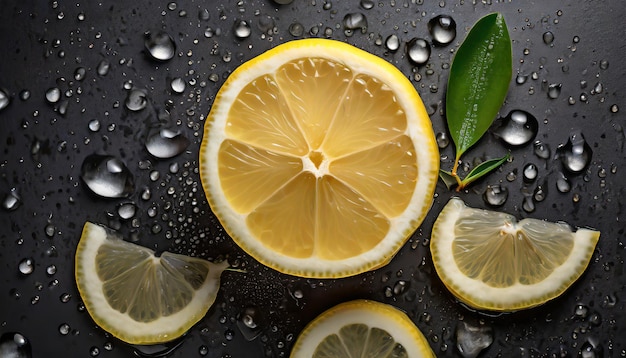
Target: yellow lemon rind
[[420, 131], [120, 325], [478, 295], [371, 313]]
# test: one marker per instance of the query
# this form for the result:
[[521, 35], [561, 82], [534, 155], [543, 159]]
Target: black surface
[[42, 151]]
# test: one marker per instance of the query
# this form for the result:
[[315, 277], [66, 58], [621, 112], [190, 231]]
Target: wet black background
[[44, 42]]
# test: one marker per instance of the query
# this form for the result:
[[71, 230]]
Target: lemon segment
[[136, 296], [489, 260], [319, 159], [361, 328]]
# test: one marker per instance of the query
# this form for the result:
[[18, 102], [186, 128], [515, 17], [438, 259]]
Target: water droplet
[[598, 88], [136, 100], [5, 99], [442, 140], [575, 154], [442, 28], [160, 46], [248, 323], [26, 266], [166, 143], [11, 200], [496, 195], [521, 79], [614, 108], [367, 4], [548, 38], [530, 172], [517, 128], [296, 29], [541, 149], [157, 350], [64, 329], [24, 95], [242, 29], [94, 125], [126, 210], [418, 51], [528, 204], [283, 2], [392, 43], [51, 270], [539, 194], [178, 85], [355, 21], [107, 176], [53, 95], [15, 345], [471, 340], [554, 90], [103, 67], [79, 74]]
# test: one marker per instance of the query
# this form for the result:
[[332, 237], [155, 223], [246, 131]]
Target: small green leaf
[[482, 169], [479, 80], [448, 179]]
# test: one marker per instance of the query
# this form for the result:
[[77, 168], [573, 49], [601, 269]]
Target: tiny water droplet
[[103, 68], [79, 74], [5, 99], [26, 266], [53, 95], [94, 125], [496, 195], [51, 270], [126, 210], [575, 154], [392, 43], [521, 79], [107, 176], [517, 128], [442, 28], [296, 29], [554, 90], [541, 149], [548, 38], [242, 29], [64, 329], [442, 140], [11, 200], [24, 95], [248, 323], [367, 4], [160, 46], [528, 204], [166, 143], [471, 340], [136, 100], [614, 108], [15, 345], [418, 51]]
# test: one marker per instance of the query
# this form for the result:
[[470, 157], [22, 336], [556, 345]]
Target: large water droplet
[[517, 128], [562, 184], [575, 154], [530, 172], [355, 21], [418, 51], [471, 340], [166, 143], [241, 28], [160, 46], [442, 28], [14, 345], [4, 99], [136, 100], [107, 176], [496, 195]]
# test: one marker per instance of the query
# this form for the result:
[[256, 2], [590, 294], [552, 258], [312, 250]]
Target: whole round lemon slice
[[136, 296], [490, 261], [319, 159], [362, 328]]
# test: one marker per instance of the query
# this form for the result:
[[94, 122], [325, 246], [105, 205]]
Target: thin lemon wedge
[[490, 261], [136, 296], [319, 159], [362, 328]]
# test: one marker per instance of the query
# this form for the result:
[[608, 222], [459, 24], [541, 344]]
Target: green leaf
[[479, 80], [448, 179], [483, 169]]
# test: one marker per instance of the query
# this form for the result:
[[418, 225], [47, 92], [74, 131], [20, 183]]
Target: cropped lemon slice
[[362, 328], [490, 261], [319, 159], [138, 297]]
